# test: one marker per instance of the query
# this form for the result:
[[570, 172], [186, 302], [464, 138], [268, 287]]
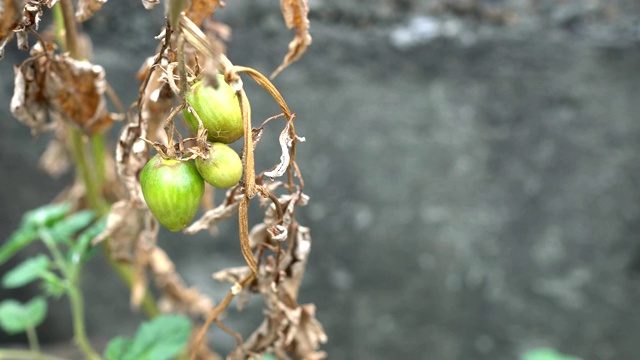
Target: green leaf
[[46, 215], [546, 354], [28, 231], [26, 271], [64, 230], [52, 284], [81, 250], [159, 339], [18, 240], [16, 317], [117, 348]]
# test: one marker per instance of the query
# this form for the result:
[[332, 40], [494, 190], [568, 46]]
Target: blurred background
[[473, 168]]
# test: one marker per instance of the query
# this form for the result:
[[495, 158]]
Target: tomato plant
[[58, 90]]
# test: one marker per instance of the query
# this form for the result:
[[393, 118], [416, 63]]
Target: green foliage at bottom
[[546, 354], [159, 339]]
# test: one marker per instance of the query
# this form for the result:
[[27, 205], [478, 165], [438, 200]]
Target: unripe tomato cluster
[[173, 188]]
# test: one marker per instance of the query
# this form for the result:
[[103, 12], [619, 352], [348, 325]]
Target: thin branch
[[216, 312]]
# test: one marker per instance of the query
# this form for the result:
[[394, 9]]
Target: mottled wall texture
[[473, 168]]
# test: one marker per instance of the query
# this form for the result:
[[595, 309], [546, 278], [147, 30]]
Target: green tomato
[[173, 190], [218, 109], [223, 168]]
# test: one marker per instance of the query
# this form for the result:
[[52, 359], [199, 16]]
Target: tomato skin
[[218, 109], [173, 190], [223, 168]]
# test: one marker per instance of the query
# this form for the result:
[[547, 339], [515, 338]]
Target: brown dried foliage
[[86, 9], [70, 89], [295, 14], [199, 10], [18, 17]]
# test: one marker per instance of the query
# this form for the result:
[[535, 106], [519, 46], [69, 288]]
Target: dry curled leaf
[[176, 296], [55, 159], [124, 228], [222, 212], [71, 90], [86, 9], [75, 89], [199, 10], [28, 104], [18, 16], [10, 16], [285, 141], [150, 4], [295, 14]]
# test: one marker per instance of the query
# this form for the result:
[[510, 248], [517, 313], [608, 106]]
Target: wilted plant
[[120, 200]]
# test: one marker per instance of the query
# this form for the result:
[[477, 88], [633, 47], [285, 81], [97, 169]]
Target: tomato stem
[[98, 154], [26, 355], [94, 176], [32, 338]]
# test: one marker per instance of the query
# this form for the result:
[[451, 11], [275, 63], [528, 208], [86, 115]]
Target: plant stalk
[[97, 153], [94, 197], [76, 301], [32, 338], [77, 313], [92, 172], [25, 355], [71, 33]]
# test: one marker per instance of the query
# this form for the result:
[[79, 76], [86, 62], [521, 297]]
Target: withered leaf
[[285, 143], [55, 159], [75, 89], [203, 9], [28, 103], [212, 217], [306, 334], [86, 9], [16, 16], [10, 16], [295, 14], [124, 226], [150, 4], [176, 296]]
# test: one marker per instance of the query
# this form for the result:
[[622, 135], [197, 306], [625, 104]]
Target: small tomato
[[223, 168], [218, 109], [173, 190]]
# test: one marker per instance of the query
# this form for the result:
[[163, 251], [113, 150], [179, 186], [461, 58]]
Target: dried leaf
[[28, 103], [124, 228], [150, 4], [10, 16], [176, 296], [285, 141], [75, 89], [220, 213], [73, 194], [55, 159], [233, 276], [210, 46], [86, 9], [203, 9], [306, 334], [139, 279], [17, 16], [295, 14]]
